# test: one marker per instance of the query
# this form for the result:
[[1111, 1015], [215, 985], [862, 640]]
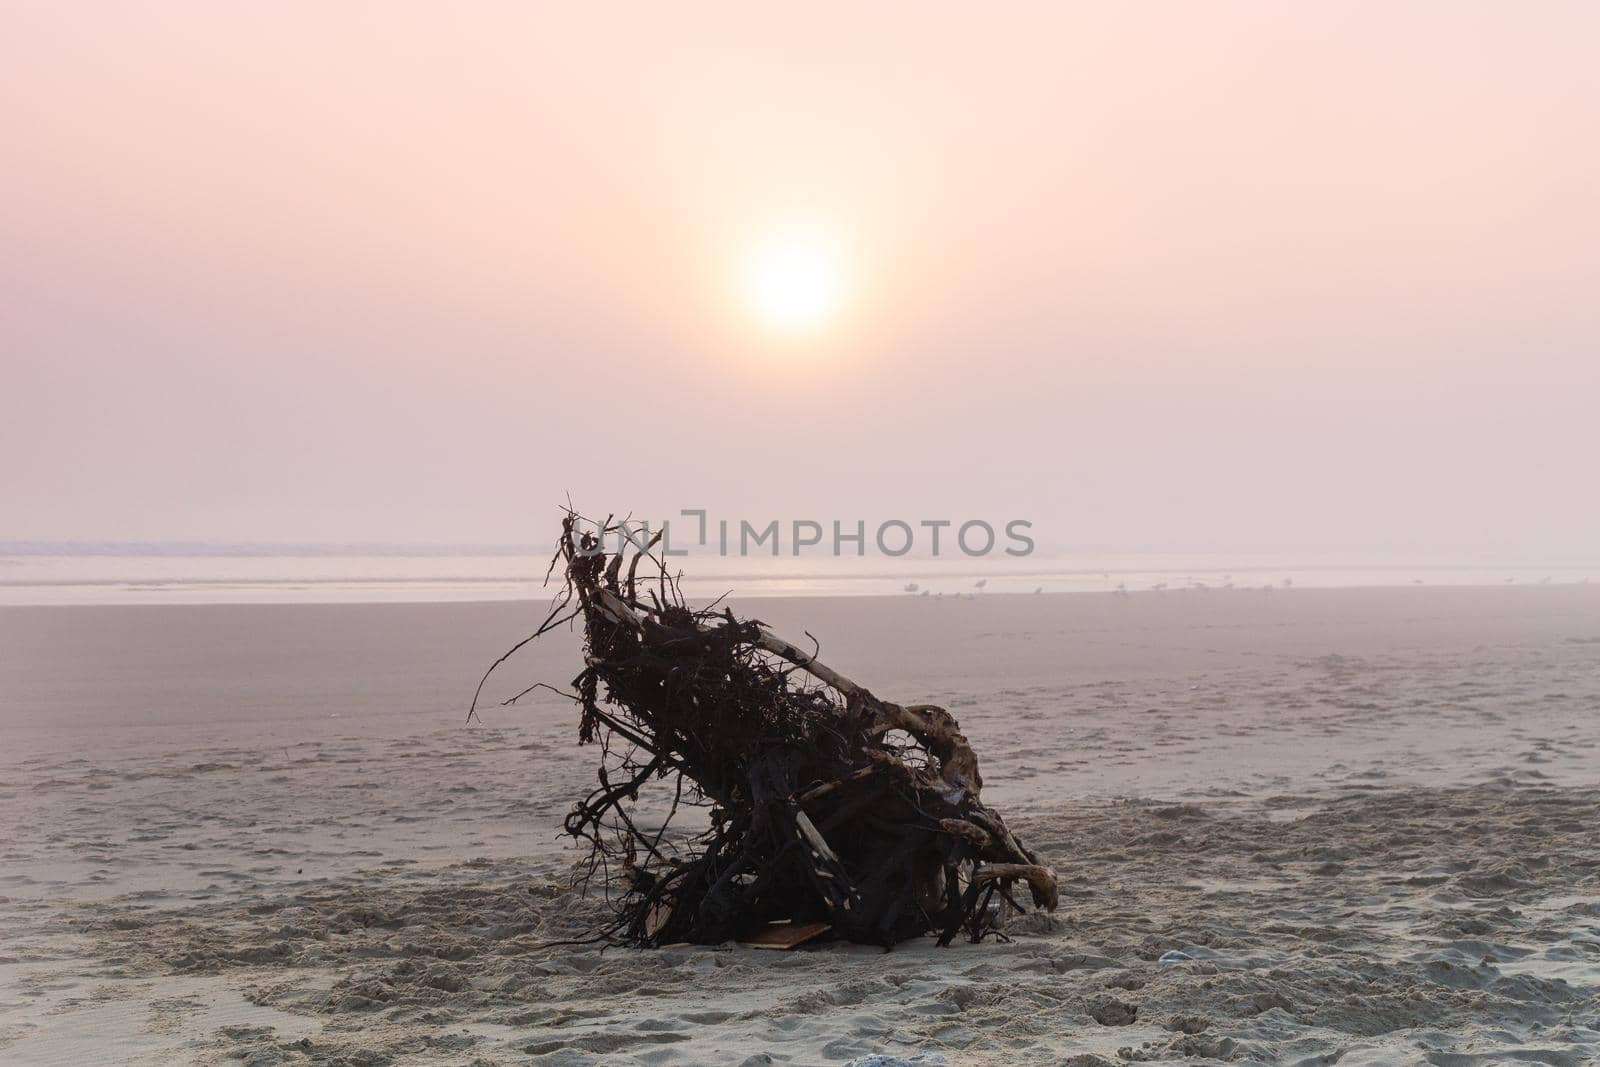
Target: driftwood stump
[[825, 802]]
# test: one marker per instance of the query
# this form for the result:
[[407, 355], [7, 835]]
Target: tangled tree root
[[825, 802]]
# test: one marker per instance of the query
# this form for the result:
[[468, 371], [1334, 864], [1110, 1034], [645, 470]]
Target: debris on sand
[[825, 803]]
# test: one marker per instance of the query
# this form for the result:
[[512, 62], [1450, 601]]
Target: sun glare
[[794, 281]]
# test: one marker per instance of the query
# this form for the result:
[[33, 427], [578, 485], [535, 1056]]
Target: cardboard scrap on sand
[[785, 935]]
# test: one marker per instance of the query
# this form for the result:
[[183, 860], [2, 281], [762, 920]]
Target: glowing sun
[[794, 281]]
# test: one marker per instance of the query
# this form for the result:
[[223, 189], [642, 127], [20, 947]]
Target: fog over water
[[409, 575]]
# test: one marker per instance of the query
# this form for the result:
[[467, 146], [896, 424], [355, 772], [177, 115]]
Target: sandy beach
[[1364, 819]]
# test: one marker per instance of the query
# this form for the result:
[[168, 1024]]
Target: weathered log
[[817, 813]]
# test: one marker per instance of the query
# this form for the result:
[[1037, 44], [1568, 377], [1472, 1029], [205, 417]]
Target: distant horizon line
[[182, 547], [185, 548]]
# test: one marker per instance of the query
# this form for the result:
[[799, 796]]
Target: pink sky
[[1240, 276]]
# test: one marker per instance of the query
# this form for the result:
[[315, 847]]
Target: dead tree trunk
[[825, 803]]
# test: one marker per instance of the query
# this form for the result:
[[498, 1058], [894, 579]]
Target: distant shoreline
[[422, 592]]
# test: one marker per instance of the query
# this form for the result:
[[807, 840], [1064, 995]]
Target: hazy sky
[[1188, 276]]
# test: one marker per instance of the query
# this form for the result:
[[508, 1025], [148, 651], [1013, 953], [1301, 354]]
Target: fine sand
[[1366, 819]]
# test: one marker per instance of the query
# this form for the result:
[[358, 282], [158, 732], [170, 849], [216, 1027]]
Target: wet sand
[[266, 834]]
